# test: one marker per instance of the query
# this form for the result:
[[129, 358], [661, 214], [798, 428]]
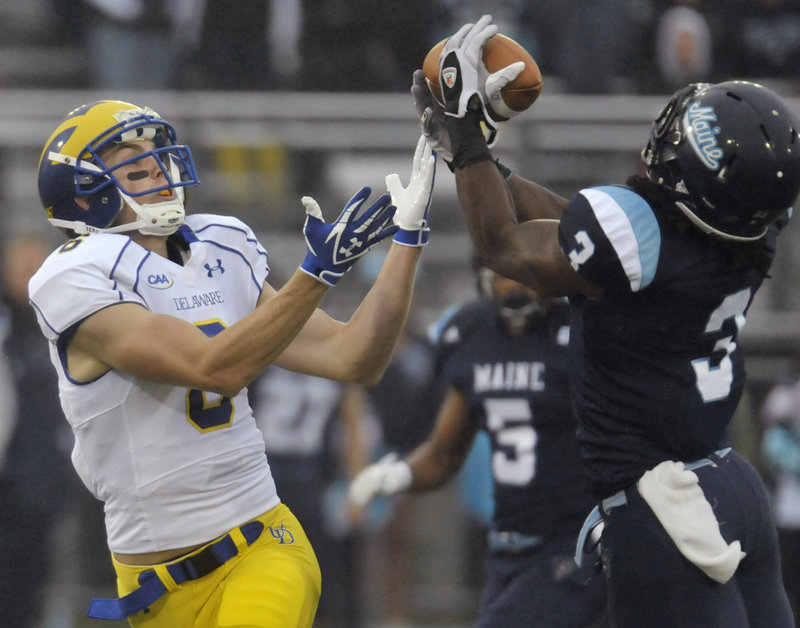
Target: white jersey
[[174, 466]]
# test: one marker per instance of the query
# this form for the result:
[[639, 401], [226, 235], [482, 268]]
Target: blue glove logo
[[333, 249]]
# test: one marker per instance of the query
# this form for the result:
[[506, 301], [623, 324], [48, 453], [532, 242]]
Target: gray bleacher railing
[[564, 142]]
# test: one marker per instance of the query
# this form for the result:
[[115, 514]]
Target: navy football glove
[[431, 117], [334, 248]]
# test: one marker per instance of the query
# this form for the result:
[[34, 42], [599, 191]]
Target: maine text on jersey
[[508, 376]]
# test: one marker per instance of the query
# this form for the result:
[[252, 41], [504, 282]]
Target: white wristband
[[398, 478]]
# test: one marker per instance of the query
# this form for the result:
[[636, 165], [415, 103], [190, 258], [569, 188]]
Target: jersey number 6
[[205, 414]]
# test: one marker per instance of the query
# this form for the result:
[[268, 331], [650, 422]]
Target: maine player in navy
[[660, 273], [157, 321], [504, 361]]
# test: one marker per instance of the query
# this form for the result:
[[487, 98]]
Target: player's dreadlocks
[[756, 254]]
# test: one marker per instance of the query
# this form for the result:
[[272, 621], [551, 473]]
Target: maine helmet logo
[[159, 281], [702, 135]]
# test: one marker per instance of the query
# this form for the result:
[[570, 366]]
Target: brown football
[[498, 52]]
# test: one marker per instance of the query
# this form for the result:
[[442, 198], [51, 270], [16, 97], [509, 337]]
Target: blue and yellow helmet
[[71, 165]]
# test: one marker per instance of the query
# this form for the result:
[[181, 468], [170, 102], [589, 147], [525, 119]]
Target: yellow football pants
[[274, 583]]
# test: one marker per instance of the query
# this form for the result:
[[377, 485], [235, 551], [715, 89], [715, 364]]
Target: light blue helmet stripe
[[631, 228]]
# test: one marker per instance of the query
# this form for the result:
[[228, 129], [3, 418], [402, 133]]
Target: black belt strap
[[191, 568]]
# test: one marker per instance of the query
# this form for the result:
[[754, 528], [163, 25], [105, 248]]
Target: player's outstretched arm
[[511, 223], [360, 349], [166, 349], [169, 350], [529, 251], [430, 465], [531, 200]]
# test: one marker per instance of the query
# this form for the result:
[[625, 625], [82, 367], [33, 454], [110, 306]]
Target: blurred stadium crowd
[[588, 47], [583, 46]]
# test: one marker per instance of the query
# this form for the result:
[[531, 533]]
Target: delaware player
[[504, 359], [660, 273], [157, 322]]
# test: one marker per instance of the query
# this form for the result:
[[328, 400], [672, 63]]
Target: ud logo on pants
[[285, 536]]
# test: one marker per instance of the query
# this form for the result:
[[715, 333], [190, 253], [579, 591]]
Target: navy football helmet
[[72, 165], [731, 154], [518, 310]]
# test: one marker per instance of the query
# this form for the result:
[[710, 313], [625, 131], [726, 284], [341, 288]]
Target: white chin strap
[[517, 317], [154, 218], [709, 229], [162, 218]]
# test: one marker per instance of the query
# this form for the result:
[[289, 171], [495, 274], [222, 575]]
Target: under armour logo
[[284, 536], [347, 252], [211, 268]]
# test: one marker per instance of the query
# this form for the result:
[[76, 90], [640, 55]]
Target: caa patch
[[159, 282]]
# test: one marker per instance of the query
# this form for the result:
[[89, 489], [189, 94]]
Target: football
[[498, 52]]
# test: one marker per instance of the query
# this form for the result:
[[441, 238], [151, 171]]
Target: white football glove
[[413, 202], [461, 66], [462, 73], [386, 477], [496, 82]]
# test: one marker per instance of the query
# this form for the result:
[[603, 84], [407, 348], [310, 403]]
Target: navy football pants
[[652, 585], [541, 587]]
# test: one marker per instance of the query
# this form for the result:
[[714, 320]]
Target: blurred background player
[[503, 359], [315, 430], [36, 482], [780, 447], [404, 401], [660, 273]]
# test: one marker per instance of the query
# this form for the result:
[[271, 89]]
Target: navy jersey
[[658, 371], [517, 391]]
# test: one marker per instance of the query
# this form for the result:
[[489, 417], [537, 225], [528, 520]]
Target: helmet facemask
[[660, 155], [518, 311], [164, 217]]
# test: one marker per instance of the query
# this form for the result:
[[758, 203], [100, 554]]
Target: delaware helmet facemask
[[730, 153], [72, 165]]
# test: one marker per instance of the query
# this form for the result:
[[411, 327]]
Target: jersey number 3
[[714, 382]]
